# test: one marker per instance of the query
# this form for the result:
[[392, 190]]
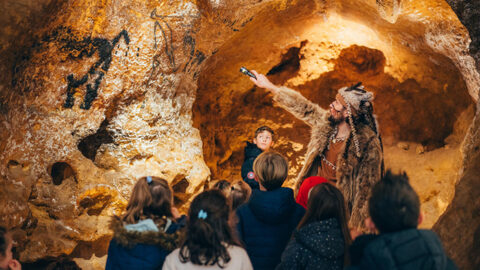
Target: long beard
[[335, 121]]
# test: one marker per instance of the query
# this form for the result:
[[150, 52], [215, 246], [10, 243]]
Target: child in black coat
[[262, 142], [322, 237], [394, 209]]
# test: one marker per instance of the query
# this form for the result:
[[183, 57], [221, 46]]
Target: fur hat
[[354, 95]]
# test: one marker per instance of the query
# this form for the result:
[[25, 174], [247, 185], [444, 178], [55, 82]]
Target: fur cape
[[355, 175], [129, 239]]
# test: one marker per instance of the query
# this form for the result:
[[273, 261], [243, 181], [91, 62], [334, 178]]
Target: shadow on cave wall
[[406, 111]]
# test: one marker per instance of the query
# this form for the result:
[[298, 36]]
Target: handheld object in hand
[[247, 72]]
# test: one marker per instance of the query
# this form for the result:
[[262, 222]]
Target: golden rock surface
[[95, 94]]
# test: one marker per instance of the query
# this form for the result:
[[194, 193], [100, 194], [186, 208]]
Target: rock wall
[[95, 94]]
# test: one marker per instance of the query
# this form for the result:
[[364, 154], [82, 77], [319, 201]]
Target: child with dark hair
[[6, 256], [239, 194], [322, 237], [262, 141], [223, 185], [209, 241], [394, 209], [148, 231], [266, 221]]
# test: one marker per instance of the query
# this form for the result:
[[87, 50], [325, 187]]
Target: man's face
[[263, 140], [8, 256], [337, 113]]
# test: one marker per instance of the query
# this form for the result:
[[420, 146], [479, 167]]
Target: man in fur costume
[[345, 145]]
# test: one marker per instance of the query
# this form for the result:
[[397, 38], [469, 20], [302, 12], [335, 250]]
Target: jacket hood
[[142, 233], [323, 238], [252, 151], [272, 207], [401, 250]]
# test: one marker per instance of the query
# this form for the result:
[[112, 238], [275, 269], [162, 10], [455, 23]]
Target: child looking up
[[322, 237], [266, 221], [146, 233], [209, 242], [262, 142], [6, 257]]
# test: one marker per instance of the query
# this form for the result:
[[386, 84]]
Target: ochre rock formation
[[94, 95]]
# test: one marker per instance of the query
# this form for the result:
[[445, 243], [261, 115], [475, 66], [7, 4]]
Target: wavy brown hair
[[149, 200], [324, 202], [209, 235]]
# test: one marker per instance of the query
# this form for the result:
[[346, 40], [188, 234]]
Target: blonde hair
[[151, 198], [271, 169]]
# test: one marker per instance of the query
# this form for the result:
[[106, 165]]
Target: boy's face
[[8, 256], [263, 140]]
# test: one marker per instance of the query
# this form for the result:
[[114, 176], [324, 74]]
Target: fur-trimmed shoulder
[[130, 238]]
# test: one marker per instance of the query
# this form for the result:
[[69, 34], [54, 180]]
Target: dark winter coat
[[410, 249], [317, 245], [355, 175], [140, 249], [251, 152], [265, 224]]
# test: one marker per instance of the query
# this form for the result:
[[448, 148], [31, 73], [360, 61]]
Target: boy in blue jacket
[[267, 220], [262, 142]]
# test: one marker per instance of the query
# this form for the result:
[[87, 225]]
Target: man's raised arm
[[292, 101]]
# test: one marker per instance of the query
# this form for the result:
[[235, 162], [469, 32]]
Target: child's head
[[271, 170], [208, 230], [240, 193], [223, 185], [393, 204], [151, 198], [5, 248], [264, 138]]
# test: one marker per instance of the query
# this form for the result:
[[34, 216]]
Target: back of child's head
[[394, 205], [240, 193], [151, 198], [208, 230], [223, 185], [264, 128], [271, 169]]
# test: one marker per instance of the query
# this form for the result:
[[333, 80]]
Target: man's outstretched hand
[[263, 82]]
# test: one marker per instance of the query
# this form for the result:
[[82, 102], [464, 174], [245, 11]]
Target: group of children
[[261, 225]]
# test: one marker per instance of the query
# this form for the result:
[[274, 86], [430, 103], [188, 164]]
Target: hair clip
[[202, 214], [149, 179]]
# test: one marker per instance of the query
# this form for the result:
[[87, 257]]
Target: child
[[262, 142], [266, 221], [6, 257], [223, 185], [209, 241], [146, 233], [322, 238], [394, 209], [239, 194]]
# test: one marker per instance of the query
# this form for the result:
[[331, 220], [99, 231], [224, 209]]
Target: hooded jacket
[[410, 249], [355, 175], [317, 245], [265, 224], [251, 152], [142, 245]]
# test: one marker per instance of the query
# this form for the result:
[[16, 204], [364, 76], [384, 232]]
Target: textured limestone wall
[[94, 94]]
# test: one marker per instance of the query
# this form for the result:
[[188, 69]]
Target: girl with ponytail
[[209, 241], [148, 230]]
